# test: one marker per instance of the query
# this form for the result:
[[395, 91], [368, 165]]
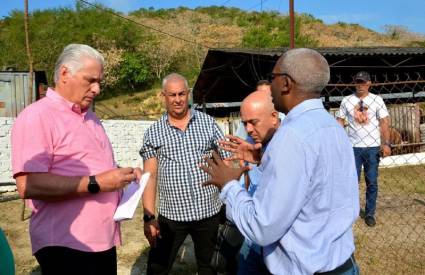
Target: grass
[[396, 244], [403, 180], [141, 105]]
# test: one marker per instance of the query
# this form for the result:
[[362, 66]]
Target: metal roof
[[331, 51]]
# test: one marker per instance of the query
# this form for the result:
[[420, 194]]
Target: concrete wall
[[126, 137], [5, 165]]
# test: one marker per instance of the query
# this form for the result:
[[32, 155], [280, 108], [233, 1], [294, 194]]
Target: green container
[[7, 264]]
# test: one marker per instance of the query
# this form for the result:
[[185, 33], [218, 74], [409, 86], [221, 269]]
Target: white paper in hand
[[130, 199]]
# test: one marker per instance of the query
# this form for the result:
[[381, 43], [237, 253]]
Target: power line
[[143, 25], [258, 4]]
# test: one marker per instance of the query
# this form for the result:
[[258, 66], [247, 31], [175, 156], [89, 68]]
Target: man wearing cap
[[367, 119]]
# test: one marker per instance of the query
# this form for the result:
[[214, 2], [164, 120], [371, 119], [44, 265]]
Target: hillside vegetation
[[139, 57]]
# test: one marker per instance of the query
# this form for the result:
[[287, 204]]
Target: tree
[[134, 70], [271, 30]]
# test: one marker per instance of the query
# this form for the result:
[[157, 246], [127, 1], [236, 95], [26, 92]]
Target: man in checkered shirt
[[172, 149]]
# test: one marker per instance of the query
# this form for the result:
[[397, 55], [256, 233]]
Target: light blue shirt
[[254, 178], [307, 199]]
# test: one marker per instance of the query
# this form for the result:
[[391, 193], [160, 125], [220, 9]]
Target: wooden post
[[27, 44], [291, 24]]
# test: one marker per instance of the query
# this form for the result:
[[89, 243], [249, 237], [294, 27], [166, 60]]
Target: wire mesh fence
[[394, 243]]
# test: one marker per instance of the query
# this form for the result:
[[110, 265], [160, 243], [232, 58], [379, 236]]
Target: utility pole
[[291, 24], [30, 79], [27, 44]]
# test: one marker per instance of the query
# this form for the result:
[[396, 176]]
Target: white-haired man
[[307, 200], [63, 161]]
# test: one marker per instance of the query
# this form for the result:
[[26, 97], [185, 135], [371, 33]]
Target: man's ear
[[286, 85], [275, 116], [64, 74]]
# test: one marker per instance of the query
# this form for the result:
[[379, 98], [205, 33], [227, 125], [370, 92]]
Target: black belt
[[340, 269]]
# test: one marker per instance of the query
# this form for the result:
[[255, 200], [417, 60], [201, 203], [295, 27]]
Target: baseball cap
[[362, 76]]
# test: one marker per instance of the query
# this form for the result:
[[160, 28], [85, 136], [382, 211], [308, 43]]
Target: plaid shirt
[[181, 194]]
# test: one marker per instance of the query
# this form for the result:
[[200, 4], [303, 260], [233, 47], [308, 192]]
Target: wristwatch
[[148, 218], [93, 187]]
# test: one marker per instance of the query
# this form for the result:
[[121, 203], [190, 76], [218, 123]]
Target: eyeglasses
[[361, 106], [272, 76]]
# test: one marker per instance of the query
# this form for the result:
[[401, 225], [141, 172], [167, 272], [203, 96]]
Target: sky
[[372, 14]]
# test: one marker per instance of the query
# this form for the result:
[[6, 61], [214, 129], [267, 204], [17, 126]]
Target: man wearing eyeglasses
[[367, 119], [172, 149], [306, 202]]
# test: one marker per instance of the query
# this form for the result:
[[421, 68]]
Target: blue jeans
[[368, 157], [352, 270], [250, 262]]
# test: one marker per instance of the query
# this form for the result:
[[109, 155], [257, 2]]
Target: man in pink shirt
[[63, 161]]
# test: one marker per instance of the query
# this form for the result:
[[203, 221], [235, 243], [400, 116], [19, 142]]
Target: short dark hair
[[263, 82]]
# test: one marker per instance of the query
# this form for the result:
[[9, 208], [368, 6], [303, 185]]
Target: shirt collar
[[305, 106], [53, 95], [192, 113]]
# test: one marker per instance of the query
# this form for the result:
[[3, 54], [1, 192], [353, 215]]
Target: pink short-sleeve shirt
[[53, 135]]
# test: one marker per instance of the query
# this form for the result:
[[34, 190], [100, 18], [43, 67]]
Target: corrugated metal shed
[[228, 75], [14, 91]]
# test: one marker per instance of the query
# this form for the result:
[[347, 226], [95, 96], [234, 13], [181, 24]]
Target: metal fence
[[396, 244]]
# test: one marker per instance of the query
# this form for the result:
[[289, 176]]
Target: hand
[[151, 230], [241, 149], [220, 173], [138, 173], [386, 150], [117, 178]]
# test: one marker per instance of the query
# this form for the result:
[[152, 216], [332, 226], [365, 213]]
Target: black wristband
[[93, 187], [148, 218]]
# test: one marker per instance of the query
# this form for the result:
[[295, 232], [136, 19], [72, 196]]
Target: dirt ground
[[132, 255], [396, 245]]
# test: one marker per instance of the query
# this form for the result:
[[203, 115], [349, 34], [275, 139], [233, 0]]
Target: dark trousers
[[251, 262], [368, 157], [56, 260], [350, 267], [173, 234]]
